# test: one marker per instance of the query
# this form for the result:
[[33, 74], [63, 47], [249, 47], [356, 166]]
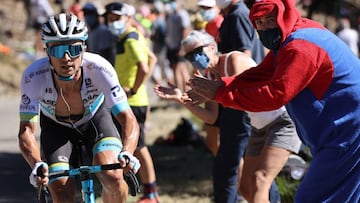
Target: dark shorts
[[280, 133], [173, 56], [58, 142]]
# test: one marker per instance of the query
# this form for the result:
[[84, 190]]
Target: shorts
[[279, 133], [58, 142], [173, 56]]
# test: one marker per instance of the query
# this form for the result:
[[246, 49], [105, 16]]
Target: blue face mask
[[270, 38], [173, 5], [117, 27], [200, 61], [207, 14]]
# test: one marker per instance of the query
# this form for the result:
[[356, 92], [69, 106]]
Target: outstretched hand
[[170, 93], [204, 88]]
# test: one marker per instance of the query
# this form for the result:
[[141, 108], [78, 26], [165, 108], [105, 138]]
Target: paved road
[[14, 187]]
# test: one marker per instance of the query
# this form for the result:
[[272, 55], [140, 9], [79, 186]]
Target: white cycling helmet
[[64, 27]]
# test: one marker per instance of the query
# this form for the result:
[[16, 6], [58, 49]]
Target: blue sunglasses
[[60, 50]]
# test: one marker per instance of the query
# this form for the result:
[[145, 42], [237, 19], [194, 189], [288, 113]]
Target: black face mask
[[270, 38]]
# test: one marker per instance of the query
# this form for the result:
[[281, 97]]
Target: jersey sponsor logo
[[90, 66], [103, 69], [115, 91], [27, 79], [48, 90], [63, 158], [90, 97], [31, 75], [49, 102], [25, 107], [88, 83], [42, 71], [91, 91], [25, 99]]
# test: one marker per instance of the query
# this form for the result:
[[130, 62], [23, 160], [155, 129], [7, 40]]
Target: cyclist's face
[[65, 57]]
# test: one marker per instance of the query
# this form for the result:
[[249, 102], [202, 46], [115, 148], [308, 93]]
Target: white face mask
[[208, 14], [117, 27], [223, 3]]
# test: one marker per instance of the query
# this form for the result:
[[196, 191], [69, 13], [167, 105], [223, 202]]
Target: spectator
[[101, 40], [40, 10], [320, 87], [133, 67], [158, 33], [75, 8], [237, 32], [273, 133], [178, 25], [211, 13], [349, 35]]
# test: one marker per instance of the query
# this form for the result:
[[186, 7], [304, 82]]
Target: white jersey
[[99, 83]]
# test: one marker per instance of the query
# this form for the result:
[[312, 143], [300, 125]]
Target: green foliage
[[287, 188]]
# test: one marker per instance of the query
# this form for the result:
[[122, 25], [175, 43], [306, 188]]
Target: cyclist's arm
[[105, 78], [130, 130], [29, 111], [28, 143]]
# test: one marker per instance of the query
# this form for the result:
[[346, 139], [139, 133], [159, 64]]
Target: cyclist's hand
[[39, 174], [129, 162]]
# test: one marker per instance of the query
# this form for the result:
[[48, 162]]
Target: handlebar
[[130, 177], [84, 170]]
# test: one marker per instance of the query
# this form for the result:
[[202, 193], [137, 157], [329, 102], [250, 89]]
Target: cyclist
[[71, 91]]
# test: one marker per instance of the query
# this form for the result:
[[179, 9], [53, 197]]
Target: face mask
[[201, 61], [223, 3], [270, 38], [117, 27], [173, 5], [207, 14], [91, 20]]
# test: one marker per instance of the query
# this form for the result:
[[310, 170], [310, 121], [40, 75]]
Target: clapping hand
[[203, 89], [170, 93]]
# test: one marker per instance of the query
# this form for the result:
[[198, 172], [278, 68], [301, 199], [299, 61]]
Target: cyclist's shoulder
[[95, 65], [94, 60], [38, 68]]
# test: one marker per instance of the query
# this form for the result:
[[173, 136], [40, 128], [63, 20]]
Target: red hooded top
[[317, 77], [270, 83]]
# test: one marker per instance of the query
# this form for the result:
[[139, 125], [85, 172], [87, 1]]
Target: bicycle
[[85, 175]]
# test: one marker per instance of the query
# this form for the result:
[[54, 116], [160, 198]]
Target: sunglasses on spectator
[[59, 51], [190, 55]]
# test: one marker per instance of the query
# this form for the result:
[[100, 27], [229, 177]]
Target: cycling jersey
[[99, 84]]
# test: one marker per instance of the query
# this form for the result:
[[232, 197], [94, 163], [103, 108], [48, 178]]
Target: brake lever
[[131, 179], [133, 183], [42, 193]]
